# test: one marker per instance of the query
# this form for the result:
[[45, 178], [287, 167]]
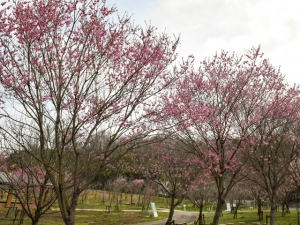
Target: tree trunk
[[36, 219], [117, 203], [70, 220], [218, 213], [131, 198], [231, 207], [143, 202], [237, 205], [139, 201], [172, 208], [235, 212], [121, 199], [272, 214], [259, 211], [68, 213], [103, 202], [200, 217], [273, 206], [287, 209], [35, 222]]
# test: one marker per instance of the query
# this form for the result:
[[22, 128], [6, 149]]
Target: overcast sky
[[207, 27]]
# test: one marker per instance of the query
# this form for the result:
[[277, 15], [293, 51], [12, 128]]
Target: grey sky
[[209, 26]]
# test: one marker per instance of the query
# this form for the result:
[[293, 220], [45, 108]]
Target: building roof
[[3, 178]]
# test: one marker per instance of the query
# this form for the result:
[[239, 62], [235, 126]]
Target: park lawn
[[94, 217], [91, 217], [251, 216], [91, 211]]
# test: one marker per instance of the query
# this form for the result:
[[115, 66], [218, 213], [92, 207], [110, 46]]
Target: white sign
[[154, 209], [228, 207]]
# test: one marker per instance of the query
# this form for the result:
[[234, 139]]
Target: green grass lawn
[[248, 217], [133, 217], [92, 211], [84, 217]]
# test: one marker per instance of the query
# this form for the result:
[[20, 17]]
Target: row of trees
[[233, 112], [167, 171], [82, 87], [182, 175]]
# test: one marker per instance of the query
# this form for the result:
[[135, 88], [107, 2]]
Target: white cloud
[[233, 25]]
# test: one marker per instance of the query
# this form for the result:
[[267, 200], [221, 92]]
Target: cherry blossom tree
[[294, 169], [115, 188], [134, 187], [148, 195], [292, 184], [75, 77], [31, 185], [282, 197], [275, 149], [216, 110], [260, 197], [201, 193], [237, 195], [169, 167]]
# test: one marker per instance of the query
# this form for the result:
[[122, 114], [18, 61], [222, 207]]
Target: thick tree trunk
[[273, 206], [70, 220], [36, 219], [68, 213], [272, 214], [34, 222], [218, 213]]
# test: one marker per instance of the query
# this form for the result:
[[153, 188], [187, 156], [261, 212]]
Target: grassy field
[[251, 216], [93, 217], [91, 210], [84, 217]]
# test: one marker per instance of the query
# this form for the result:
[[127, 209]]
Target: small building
[[6, 193]]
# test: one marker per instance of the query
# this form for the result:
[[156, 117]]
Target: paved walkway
[[179, 217]]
